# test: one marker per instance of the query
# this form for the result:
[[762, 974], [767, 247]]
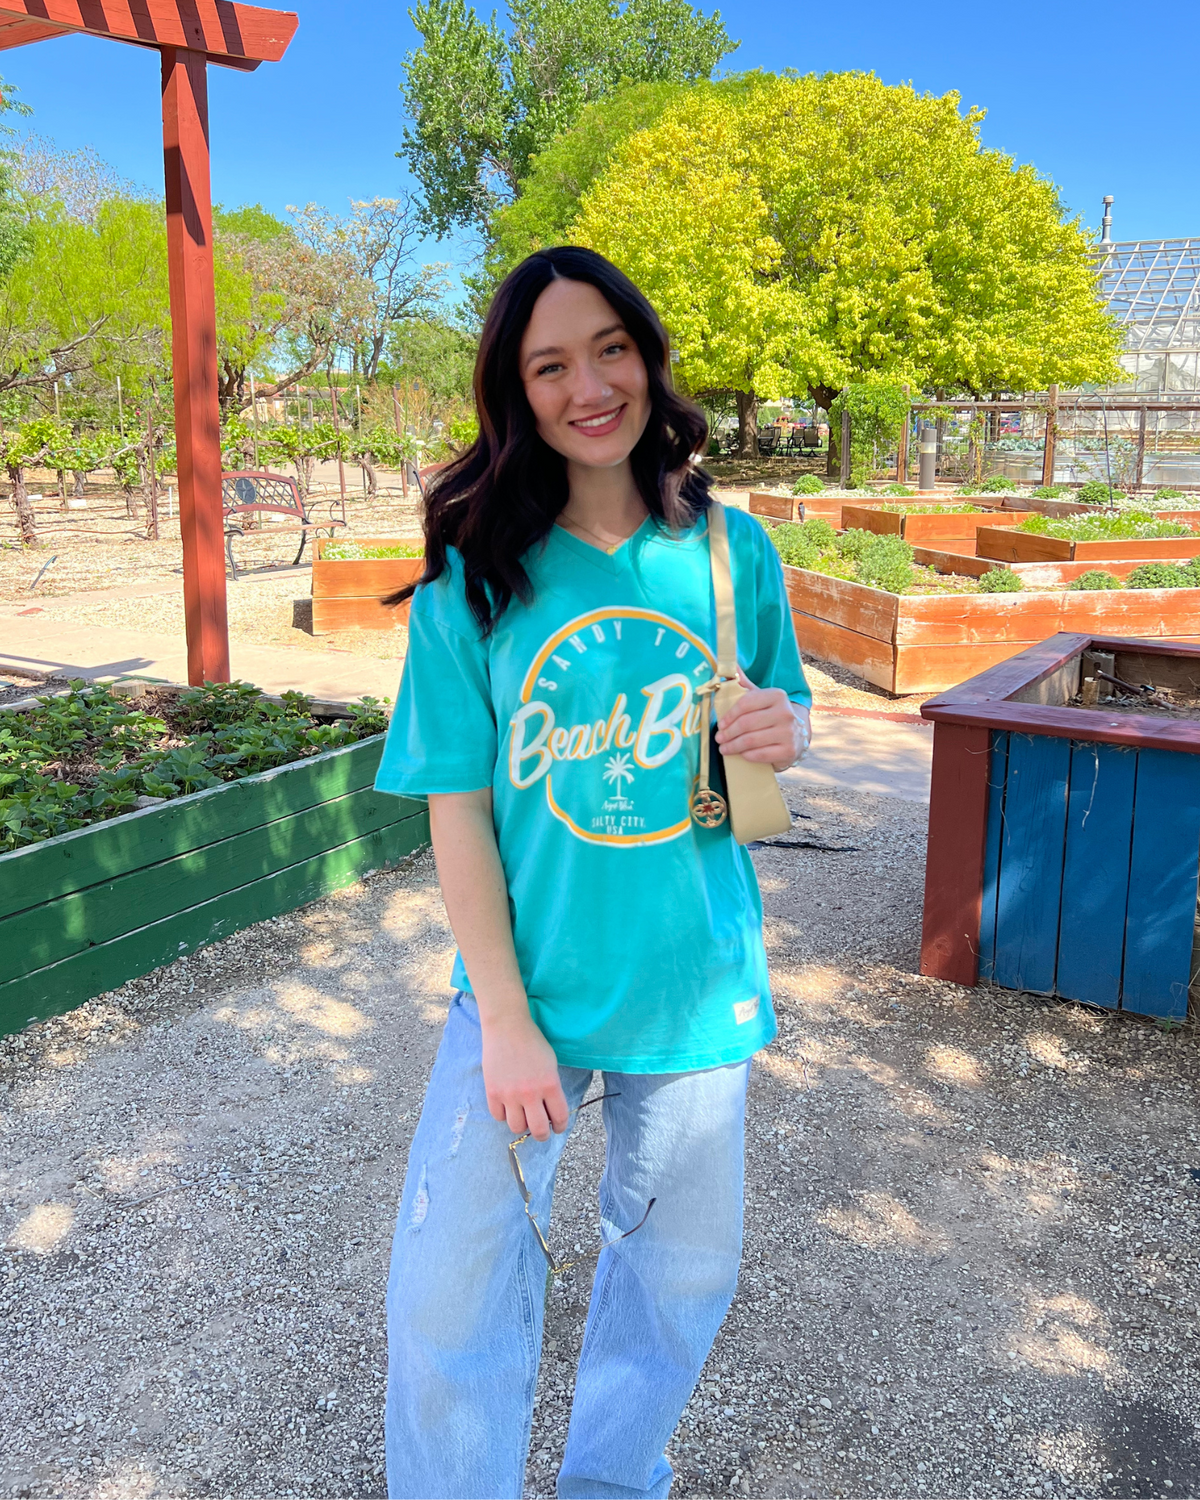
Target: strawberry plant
[[88, 755]]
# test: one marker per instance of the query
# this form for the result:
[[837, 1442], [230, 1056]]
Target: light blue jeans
[[467, 1286]]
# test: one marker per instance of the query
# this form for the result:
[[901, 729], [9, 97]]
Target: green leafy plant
[[1050, 492], [878, 412], [1158, 575], [933, 510], [359, 552], [968, 489], [809, 484], [1166, 493], [88, 755], [997, 484], [1000, 581], [898, 490], [802, 544], [1095, 578], [1124, 526], [885, 562], [463, 431], [1097, 492]]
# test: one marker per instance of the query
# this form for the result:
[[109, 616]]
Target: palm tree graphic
[[616, 770]]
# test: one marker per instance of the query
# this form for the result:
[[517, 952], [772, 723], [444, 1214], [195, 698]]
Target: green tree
[[376, 242], [908, 253], [434, 353], [86, 300], [560, 174], [484, 100], [282, 302], [21, 448]]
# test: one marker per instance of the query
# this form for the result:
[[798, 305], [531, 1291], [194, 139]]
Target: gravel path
[[971, 1219]]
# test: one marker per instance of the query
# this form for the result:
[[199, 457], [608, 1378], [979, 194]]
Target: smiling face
[[584, 376]]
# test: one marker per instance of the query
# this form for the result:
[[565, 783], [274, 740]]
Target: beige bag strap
[[722, 580], [755, 808], [708, 807]]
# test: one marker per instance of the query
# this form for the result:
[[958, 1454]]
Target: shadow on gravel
[[1144, 1448]]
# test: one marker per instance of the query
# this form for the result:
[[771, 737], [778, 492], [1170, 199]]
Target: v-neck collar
[[608, 562]]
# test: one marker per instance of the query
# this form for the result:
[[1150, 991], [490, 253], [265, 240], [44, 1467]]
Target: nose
[[589, 385]]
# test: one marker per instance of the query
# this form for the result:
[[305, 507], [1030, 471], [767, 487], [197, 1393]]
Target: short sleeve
[[775, 659], [442, 737]]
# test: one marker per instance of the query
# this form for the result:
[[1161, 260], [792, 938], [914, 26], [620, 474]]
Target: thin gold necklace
[[609, 547]]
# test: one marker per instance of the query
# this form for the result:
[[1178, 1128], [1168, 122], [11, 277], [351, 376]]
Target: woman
[[548, 712]]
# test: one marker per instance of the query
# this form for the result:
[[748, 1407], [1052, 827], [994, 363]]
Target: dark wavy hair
[[502, 496]]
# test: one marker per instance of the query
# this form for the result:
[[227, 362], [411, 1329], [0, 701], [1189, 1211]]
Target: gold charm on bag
[[708, 807]]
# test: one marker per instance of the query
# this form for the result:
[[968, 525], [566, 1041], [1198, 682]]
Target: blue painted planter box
[[1064, 849]]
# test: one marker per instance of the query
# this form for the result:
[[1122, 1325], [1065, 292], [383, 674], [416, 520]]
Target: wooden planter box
[[947, 527], [1034, 575], [84, 912], [1064, 842], [1023, 546], [924, 643], [347, 595]]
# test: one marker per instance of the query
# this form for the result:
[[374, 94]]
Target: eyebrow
[[554, 348]]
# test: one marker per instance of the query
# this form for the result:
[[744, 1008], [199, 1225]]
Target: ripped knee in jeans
[[420, 1202]]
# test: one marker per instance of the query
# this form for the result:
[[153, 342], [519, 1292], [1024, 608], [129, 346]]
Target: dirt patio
[[972, 1216]]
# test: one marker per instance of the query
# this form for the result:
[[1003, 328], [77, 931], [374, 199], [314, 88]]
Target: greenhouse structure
[[1153, 288]]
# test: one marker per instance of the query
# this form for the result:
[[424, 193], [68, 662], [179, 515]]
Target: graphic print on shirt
[[608, 727]]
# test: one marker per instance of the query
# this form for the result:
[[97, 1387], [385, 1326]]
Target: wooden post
[[254, 419], [1141, 450], [844, 477], [400, 434], [1051, 435], [194, 360], [358, 433], [337, 427], [958, 812], [151, 477], [902, 447]]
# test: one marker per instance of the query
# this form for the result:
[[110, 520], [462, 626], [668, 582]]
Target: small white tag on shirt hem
[[745, 1010]]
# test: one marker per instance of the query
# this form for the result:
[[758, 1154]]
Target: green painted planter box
[[82, 913]]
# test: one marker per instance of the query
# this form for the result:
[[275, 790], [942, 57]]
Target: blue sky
[[1096, 96]]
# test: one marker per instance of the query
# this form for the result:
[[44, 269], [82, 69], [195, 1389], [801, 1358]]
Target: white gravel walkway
[[972, 1235]]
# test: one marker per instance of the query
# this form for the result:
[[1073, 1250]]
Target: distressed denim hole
[[420, 1203], [460, 1124]]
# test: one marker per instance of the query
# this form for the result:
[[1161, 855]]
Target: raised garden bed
[[1032, 575], [913, 643], [922, 527], [87, 910], [347, 593], [1023, 546], [826, 507], [1064, 840]]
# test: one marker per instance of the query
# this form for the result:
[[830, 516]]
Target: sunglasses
[[514, 1162]]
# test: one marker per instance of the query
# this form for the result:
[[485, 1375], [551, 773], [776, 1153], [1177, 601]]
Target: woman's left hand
[[764, 725]]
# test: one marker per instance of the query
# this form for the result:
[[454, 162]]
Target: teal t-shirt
[[638, 933]]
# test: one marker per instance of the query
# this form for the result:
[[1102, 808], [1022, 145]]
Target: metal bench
[[251, 495]]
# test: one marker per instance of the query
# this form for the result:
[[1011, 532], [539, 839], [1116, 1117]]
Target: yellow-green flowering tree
[[700, 246], [801, 234]]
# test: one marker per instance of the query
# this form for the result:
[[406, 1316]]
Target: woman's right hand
[[520, 1075]]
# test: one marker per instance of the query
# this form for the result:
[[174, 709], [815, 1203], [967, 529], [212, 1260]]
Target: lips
[[601, 424]]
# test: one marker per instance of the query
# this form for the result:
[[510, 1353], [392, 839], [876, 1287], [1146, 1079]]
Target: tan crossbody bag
[[755, 808]]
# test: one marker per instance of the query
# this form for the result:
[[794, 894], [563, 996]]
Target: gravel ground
[[971, 1216], [262, 611], [101, 548]]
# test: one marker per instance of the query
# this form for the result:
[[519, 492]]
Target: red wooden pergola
[[188, 34]]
